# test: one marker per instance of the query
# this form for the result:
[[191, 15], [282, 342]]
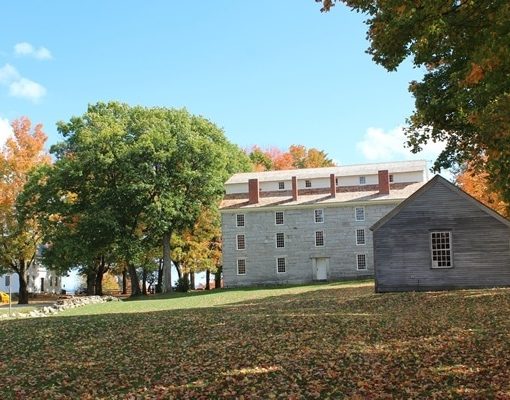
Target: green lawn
[[4, 309], [319, 341]]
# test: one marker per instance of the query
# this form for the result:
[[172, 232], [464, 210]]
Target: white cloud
[[8, 74], [5, 130], [43, 53], [378, 145], [20, 86], [26, 49], [27, 88], [23, 48]]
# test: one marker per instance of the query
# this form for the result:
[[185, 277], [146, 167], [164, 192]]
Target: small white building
[[40, 280]]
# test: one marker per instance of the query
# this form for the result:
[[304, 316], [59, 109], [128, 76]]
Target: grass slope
[[320, 341]]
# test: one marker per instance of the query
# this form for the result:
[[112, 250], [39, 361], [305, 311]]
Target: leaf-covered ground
[[327, 341]]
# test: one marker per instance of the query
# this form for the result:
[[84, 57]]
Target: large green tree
[[464, 96], [134, 175]]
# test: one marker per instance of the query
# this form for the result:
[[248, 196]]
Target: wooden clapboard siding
[[481, 243]]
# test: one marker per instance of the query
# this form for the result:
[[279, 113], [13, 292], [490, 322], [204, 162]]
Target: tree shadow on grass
[[199, 293]]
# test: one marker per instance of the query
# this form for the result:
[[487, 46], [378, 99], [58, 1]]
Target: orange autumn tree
[[19, 240], [297, 156], [477, 184]]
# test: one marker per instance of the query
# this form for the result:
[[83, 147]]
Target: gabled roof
[[438, 179], [346, 170]]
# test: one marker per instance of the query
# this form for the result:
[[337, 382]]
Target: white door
[[321, 265]]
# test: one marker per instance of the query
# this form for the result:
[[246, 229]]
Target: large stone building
[[304, 225]]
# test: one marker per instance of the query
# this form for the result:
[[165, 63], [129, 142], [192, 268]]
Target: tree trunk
[[167, 263], [217, 277], [207, 279], [159, 285], [91, 281], [124, 281], [178, 268], [23, 287], [144, 281], [135, 283], [192, 280], [99, 277]]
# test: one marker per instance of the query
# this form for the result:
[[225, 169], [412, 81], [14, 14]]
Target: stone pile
[[60, 305]]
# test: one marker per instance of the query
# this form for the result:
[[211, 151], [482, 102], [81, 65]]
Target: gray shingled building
[[441, 238], [304, 225]]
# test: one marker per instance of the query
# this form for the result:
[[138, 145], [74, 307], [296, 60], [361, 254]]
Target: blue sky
[[271, 73]]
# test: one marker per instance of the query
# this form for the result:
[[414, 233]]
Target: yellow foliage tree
[[477, 184], [19, 240]]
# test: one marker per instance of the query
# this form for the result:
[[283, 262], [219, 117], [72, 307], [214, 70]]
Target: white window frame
[[358, 263], [315, 215], [284, 265], [276, 217], [448, 251], [356, 213], [244, 241], [323, 239], [243, 219], [363, 180], [237, 266], [276, 240], [281, 185], [308, 183], [358, 243]]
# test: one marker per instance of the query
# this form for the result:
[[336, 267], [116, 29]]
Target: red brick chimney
[[384, 182], [332, 185], [253, 191], [294, 189]]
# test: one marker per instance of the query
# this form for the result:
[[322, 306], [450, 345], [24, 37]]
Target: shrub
[[182, 285]]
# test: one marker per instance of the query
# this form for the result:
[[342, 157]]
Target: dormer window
[[362, 180], [308, 183], [281, 185]]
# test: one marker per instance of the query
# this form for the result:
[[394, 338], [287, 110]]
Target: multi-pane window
[[280, 240], [319, 216], [241, 242], [241, 266], [360, 236], [308, 183], [441, 249], [319, 238], [278, 217], [361, 261], [391, 178], [281, 185], [359, 213], [362, 180], [280, 265], [240, 220]]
